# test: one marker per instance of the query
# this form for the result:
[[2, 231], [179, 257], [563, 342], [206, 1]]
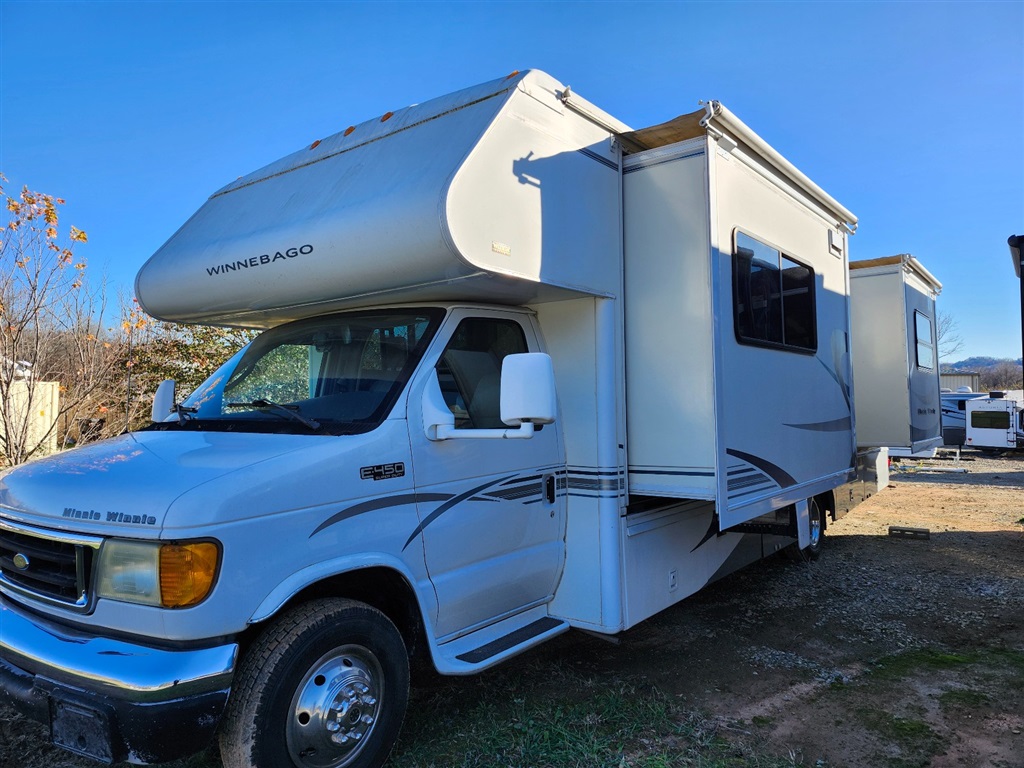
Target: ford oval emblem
[[21, 562]]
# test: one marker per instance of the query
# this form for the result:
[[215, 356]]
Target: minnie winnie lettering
[[111, 517]]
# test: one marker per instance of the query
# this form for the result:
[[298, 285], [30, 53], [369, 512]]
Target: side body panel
[[673, 551], [894, 356], [925, 405], [670, 393], [583, 351], [493, 543], [786, 429], [881, 355]]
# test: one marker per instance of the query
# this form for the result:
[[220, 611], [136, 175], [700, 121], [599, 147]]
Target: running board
[[497, 642]]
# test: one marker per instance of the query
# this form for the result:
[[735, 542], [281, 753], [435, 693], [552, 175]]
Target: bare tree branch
[[949, 338], [50, 327]]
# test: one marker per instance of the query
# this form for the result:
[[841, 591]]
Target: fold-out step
[[497, 642]]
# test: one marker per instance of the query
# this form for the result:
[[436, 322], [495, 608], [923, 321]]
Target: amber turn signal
[[187, 572]]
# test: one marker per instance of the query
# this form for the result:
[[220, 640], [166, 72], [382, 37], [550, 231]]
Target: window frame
[[930, 344], [781, 254], [442, 363]]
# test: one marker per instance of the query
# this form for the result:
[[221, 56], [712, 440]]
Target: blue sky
[[910, 114]]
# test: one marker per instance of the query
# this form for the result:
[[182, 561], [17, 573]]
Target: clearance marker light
[[315, 144], [349, 130], [386, 116], [516, 72]]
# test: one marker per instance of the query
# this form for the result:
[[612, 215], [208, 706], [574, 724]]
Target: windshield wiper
[[290, 411]]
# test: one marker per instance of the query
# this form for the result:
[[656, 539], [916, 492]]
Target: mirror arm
[[524, 432]]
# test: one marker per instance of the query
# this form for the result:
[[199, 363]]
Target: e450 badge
[[382, 471]]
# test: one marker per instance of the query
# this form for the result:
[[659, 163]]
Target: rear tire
[[325, 686], [816, 515]]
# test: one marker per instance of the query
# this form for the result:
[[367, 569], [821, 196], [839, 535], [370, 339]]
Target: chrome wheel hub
[[815, 529], [335, 708]]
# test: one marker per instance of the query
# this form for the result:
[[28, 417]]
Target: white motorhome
[[526, 370], [892, 307]]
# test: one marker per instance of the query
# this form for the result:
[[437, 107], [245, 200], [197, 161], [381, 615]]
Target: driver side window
[[469, 370]]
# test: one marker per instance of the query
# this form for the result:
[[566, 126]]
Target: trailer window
[[923, 337], [990, 420], [773, 298]]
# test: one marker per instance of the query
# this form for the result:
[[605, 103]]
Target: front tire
[[325, 686]]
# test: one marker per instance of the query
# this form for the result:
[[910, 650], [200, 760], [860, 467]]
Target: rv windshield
[[339, 374]]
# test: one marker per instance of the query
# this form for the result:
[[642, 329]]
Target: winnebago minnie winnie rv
[[525, 370]]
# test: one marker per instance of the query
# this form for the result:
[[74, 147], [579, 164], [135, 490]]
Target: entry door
[[492, 511]]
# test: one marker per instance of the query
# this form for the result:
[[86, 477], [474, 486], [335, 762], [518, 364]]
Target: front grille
[[47, 565]]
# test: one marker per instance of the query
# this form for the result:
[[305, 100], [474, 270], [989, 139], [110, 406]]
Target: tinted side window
[[470, 370], [773, 298], [990, 420]]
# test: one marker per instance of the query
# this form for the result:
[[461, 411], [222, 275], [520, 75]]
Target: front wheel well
[[381, 588]]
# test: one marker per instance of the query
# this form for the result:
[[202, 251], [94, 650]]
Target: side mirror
[[527, 399], [163, 401], [528, 389]]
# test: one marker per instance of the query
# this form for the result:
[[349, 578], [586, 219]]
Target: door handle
[[549, 489]]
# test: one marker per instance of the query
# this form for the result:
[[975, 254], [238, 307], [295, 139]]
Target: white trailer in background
[[996, 421], [525, 370], [892, 307]]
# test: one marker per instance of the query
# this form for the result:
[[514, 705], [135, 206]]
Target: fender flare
[[426, 600]]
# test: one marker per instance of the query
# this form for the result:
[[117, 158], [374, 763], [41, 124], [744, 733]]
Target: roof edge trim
[[718, 114]]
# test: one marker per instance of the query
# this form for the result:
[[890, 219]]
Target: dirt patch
[[885, 652]]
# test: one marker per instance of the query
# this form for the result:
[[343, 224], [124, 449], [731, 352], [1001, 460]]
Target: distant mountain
[[994, 373], [977, 363]]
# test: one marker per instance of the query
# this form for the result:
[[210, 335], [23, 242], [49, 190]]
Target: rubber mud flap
[[81, 729]]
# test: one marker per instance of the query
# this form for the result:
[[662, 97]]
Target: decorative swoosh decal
[[449, 504], [382, 503], [832, 374], [712, 532], [836, 425], [841, 346], [776, 473]]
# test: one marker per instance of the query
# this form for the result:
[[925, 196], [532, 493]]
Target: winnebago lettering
[[256, 261]]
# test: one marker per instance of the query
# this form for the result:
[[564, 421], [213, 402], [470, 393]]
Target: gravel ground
[[947, 612]]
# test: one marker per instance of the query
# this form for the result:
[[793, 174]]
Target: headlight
[[155, 573]]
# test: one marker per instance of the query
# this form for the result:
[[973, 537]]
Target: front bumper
[[110, 699]]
